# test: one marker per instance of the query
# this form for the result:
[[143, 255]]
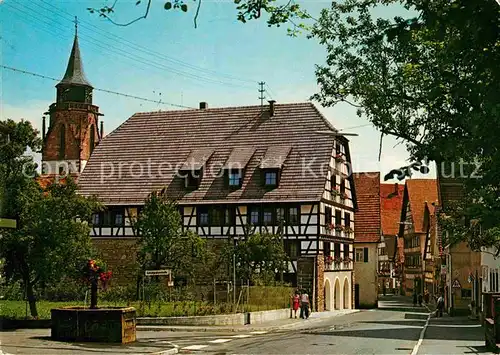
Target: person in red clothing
[[296, 303]]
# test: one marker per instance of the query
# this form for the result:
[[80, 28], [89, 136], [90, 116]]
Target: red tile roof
[[419, 192], [161, 141], [367, 218], [391, 202]]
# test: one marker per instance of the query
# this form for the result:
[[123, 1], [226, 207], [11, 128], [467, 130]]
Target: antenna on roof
[[262, 91]]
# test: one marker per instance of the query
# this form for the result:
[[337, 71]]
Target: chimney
[[271, 107], [102, 129], [203, 105], [43, 128]]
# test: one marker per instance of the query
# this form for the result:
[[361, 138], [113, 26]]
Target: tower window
[[202, 216], [92, 138], [62, 142]]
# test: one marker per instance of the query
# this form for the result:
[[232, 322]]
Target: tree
[[53, 231], [162, 242], [430, 77], [247, 10], [259, 258]]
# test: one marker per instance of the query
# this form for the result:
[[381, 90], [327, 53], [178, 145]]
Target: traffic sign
[[456, 284], [163, 272]]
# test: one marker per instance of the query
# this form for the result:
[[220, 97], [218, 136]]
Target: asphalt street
[[366, 332]]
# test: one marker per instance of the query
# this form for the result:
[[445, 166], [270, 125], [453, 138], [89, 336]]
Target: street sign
[[8, 223], [164, 272], [443, 269], [170, 284], [456, 284]]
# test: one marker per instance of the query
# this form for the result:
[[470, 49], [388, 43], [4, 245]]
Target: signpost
[[456, 284], [163, 272]]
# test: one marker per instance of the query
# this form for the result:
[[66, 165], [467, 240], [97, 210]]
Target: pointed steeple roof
[[74, 72]]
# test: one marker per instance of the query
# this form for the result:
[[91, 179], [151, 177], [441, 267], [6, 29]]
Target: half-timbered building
[[271, 168]]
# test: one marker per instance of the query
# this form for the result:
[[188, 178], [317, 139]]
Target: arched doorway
[[337, 294], [328, 295], [347, 293]]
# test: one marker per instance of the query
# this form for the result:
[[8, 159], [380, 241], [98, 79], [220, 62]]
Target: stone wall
[[320, 277], [120, 256]]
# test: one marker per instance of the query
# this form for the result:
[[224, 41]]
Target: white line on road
[[218, 341], [456, 325], [241, 336], [258, 332], [194, 347], [421, 338]]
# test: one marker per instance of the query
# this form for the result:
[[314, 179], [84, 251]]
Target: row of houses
[[271, 167]]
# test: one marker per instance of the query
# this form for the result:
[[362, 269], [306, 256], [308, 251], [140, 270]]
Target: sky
[[164, 58]]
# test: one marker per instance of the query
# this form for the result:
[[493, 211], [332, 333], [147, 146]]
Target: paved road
[[367, 332]]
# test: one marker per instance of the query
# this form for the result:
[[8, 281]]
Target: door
[[356, 296]]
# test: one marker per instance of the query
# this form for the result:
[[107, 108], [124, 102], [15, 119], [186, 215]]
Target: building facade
[[367, 239], [391, 201], [420, 197]]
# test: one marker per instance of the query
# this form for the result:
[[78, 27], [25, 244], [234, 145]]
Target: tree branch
[[146, 13], [197, 13]]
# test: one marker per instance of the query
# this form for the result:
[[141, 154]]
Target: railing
[[73, 106], [338, 266]]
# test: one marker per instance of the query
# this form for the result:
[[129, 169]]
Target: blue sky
[[165, 57]]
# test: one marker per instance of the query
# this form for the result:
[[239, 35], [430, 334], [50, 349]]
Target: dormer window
[[235, 177], [192, 168], [271, 178], [234, 169]]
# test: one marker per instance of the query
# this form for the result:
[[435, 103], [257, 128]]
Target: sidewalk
[[453, 335], [37, 341], [279, 324]]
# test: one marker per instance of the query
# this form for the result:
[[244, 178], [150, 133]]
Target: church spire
[[74, 72]]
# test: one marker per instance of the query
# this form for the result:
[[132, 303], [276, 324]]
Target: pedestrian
[[304, 300], [420, 299], [296, 302], [383, 288], [440, 306], [414, 299]]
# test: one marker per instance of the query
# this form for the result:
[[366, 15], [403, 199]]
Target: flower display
[[95, 271]]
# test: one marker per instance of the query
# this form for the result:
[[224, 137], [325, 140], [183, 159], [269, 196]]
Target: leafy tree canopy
[[430, 77], [53, 232]]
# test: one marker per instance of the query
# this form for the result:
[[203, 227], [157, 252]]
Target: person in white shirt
[[304, 309]]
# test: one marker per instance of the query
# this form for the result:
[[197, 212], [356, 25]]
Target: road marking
[[218, 341], [241, 336], [194, 347], [258, 332], [421, 338], [456, 325]]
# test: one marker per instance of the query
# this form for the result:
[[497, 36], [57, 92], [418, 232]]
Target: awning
[[239, 158], [196, 160], [275, 157]]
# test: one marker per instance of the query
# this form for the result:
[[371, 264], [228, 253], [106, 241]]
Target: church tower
[[73, 130]]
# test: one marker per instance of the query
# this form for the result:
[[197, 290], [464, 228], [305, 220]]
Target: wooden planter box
[[106, 325]]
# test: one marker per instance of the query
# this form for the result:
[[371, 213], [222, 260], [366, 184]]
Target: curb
[[215, 328], [167, 352]]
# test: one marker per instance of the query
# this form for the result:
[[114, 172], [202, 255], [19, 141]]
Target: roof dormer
[[192, 168], [234, 169], [272, 164]]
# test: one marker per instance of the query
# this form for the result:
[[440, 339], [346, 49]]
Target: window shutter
[[365, 255]]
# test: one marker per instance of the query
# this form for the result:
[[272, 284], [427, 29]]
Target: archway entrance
[[328, 295], [347, 299], [337, 294]]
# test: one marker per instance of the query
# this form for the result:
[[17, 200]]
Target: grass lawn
[[17, 309]]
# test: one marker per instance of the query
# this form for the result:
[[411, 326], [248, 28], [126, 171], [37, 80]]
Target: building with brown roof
[[420, 197], [389, 266], [366, 238], [271, 168]]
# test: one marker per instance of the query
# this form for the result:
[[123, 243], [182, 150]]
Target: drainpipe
[[314, 284]]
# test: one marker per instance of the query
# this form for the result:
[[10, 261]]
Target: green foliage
[[276, 13], [430, 77], [163, 244], [258, 258], [53, 232]]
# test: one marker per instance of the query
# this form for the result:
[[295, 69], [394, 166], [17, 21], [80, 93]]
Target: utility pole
[[262, 91]]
